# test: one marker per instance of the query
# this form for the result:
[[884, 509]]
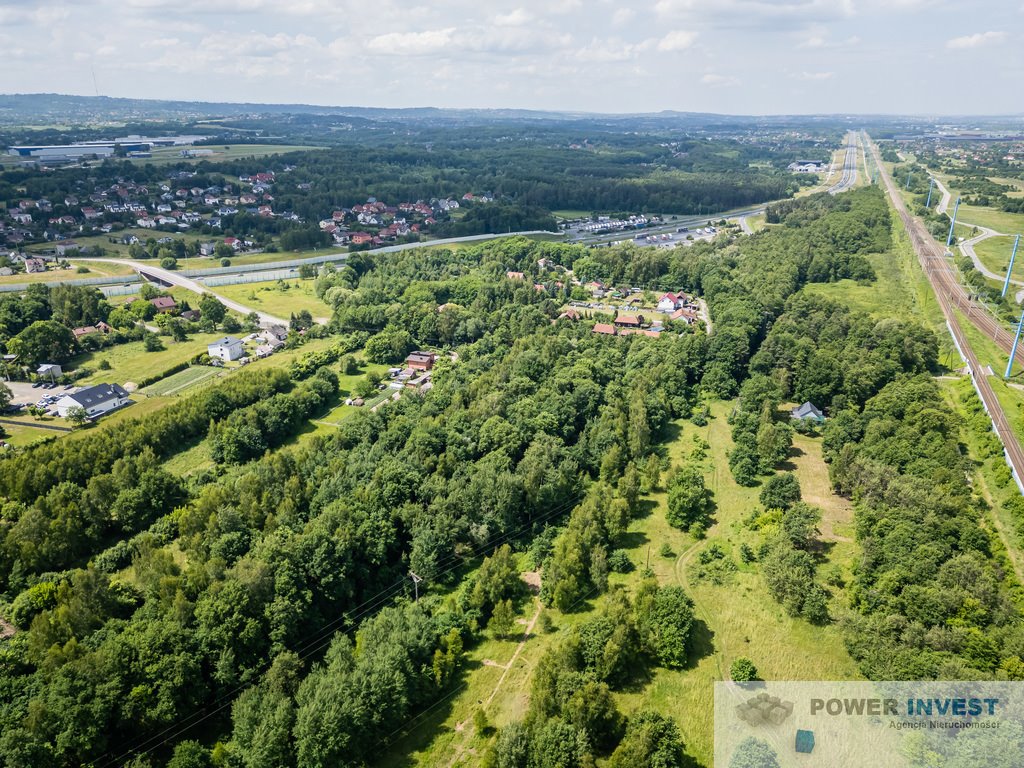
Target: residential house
[[629, 321], [87, 330], [278, 332], [604, 329], [35, 265], [67, 245], [421, 361], [807, 411], [687, 314], [672, 301], [227, 349], [164, 303], [96, 400]]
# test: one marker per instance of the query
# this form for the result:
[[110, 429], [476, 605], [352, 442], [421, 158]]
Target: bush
[[743, 670], [619, 561], [666, 550], [780, 491]]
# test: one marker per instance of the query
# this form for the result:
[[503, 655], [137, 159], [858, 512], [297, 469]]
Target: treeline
[[32, 473], [248, 432], [932, 599]]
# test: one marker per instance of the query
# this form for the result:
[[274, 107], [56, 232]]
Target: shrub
[[743, 670]]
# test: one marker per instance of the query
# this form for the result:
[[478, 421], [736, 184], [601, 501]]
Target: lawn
[[131, 362], [277, 297], [22, 435]]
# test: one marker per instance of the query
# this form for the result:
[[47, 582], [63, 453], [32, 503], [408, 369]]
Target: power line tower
[[1009, 269], [952, 223], [416, 584]]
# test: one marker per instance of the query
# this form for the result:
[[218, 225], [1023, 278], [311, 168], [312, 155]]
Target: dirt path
[[682, 563], [533, 580]]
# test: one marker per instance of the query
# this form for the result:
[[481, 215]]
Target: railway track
[[952, 295]]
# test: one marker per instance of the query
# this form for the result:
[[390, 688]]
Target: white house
[[96, 400], [671, 301], [228, 348]]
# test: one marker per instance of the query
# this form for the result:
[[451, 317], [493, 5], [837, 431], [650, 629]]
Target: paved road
[[967, 248], [850, 163], [950, 293], [947, 197], [152, 272]]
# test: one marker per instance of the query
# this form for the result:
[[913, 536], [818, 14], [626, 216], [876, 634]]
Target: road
[[967, 247], [950, 293], [158, 274], [850, 163], [944, 202]]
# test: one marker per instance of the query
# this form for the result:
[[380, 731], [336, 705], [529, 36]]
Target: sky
[[727, 56]]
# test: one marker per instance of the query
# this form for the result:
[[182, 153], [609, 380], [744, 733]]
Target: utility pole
[[1009, 269], [416, 584], [1013, 350], [931, 186], [952, 224]]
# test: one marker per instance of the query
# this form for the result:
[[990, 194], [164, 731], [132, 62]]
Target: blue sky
[[730, 56]]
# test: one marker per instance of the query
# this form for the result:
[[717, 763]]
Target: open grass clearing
[[281, 298], [995, 254], [132, 363]]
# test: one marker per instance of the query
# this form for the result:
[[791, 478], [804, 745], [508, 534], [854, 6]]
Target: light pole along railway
[[950, 293]]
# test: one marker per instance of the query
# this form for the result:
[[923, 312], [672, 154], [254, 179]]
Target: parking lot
[[25, 393]]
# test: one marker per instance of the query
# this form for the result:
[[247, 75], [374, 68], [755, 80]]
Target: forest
[[260, 614]]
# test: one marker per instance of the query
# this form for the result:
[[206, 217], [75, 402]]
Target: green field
[[995, 254], [177, 383], [96, 269], [277, 297], [131, 362]]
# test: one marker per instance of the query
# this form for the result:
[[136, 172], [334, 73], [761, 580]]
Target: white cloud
[[610, 49], [677, 40], [516, 18], [814, 77], [754, 11], [720, 81], [412, 43], [976, 40], [623, 15]]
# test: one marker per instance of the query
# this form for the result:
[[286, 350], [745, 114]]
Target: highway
[[950, 293], [849, 177]]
